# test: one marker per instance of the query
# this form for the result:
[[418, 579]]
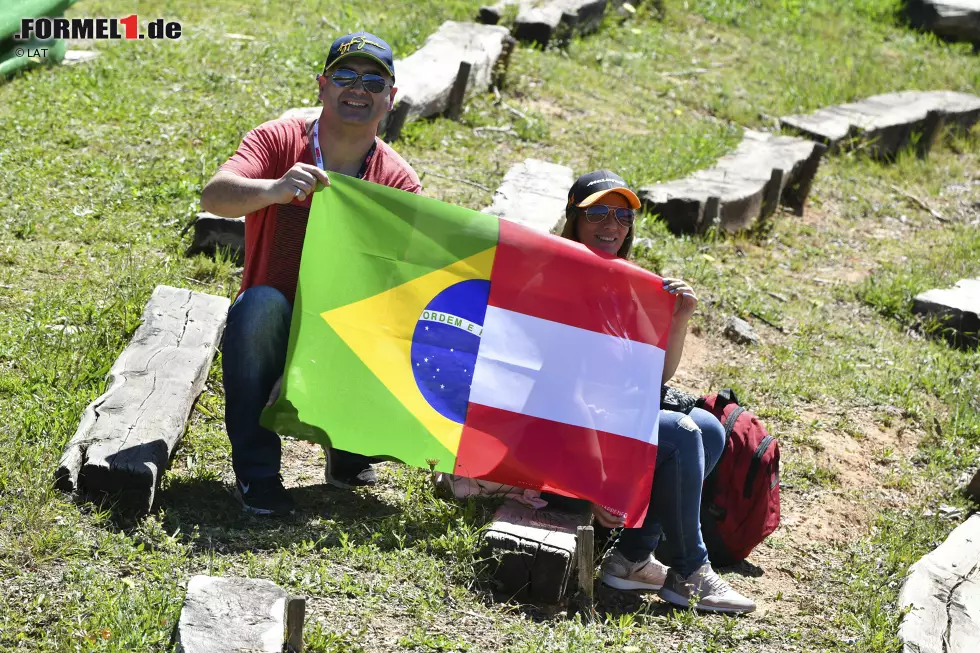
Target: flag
[[441, 337]]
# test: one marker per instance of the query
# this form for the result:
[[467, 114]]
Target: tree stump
[[231, 615], [212, 232], [127, 436], [536, 549], [766, 170], [533, 193], [883, 125], [957, 309], [942, 591]]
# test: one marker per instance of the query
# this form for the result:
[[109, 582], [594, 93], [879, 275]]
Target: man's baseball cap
[[592, 187], [361, 44]]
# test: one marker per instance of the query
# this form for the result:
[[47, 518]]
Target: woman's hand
[[687, 301], [606, 518]]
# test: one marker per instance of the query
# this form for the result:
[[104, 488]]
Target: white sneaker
[[711, 592], [625, 574]]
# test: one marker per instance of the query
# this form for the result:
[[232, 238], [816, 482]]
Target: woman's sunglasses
[[345, 78], [598, 212]]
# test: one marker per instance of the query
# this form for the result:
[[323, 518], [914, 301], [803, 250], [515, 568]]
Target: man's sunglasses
[[345, 78], [598, 212]]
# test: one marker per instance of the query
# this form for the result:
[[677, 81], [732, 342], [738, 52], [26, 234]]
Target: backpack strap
[[755, 464], [730, 422]]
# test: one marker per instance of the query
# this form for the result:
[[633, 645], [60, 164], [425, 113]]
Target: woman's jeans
[[688, 449], [252, 358]]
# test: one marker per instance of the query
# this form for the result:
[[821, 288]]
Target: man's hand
[[297, 183], [606, 518], [687, 301]]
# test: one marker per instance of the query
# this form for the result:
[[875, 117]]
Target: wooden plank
[[426, 77], [744, 181], [546, 20], [883, 125], [534, 194], [954, 20], [127, 436], [973, 489], [212, 232], [535, 549], [223, 615], [585, 554], [942, 593], [957, 308], [455, 108], [295, 618]]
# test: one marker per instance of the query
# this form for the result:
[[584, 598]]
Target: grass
[[103, 164]]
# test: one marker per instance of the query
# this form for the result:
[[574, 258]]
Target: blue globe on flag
[[445, 344]]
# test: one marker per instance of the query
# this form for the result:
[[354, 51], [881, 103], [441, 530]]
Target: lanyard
[[319, 157], [316, 145]]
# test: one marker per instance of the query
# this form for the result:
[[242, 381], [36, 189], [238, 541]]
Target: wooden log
[[499, 77], [127, 436], [426, 77], [973, 489], [942, 593], [212, 232], [491, 14], [885, 124], [546, 20], [953, 20], [534, 193], [957, 309], [743, 181], [535, 549], [455, 108], [231, 614], [295, 618], [585, 555]]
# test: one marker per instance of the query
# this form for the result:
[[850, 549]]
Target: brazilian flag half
[[441, 337]]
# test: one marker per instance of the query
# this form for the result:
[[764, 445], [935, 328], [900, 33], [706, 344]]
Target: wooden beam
[[231, 614], [455, 108], [883, 125], [534, 194], [585, 554], [742, 181], [127, 436], [295, 618], [426, 78], [952, 20], [941, 592], [534, 550], [212, 232]]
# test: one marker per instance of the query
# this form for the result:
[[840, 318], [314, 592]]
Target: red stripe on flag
[[563, 281], [610, 470]]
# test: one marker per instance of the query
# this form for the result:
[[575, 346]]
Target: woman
[[600, 215]]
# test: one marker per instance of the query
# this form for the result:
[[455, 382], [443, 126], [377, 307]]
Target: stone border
[[942, 592], [766, 170], [883, 125]]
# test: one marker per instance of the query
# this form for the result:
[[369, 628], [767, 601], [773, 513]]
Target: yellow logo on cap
[[358, 42]]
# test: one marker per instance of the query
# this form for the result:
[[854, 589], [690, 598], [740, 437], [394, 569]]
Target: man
[[270, 179]]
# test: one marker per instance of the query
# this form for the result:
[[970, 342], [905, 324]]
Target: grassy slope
[[103, 164]]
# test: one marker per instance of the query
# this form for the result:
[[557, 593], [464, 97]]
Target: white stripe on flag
[[565, 374]]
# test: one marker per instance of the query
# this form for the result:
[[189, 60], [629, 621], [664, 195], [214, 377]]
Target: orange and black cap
[[592, 187]]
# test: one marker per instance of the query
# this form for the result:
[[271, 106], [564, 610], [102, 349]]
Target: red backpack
[[740, 500]]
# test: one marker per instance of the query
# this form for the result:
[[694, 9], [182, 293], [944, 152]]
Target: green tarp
[[15, 55]]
